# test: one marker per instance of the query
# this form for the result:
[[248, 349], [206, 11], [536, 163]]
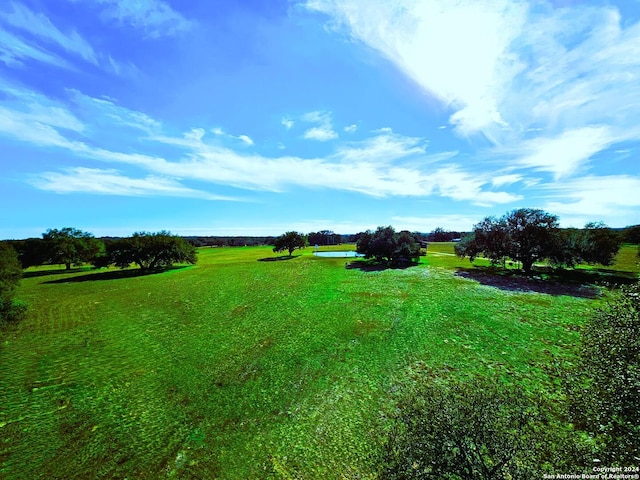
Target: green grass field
[[242, 367]]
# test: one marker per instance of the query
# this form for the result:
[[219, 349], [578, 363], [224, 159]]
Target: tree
[[632, 234], [151, 251], [595, 244], [70, 246], [386, 246], [489, 238], [407, 248], [289, 241], [324, 237], [31, 252], [603, 386], [10, 275], [532, 235], [441, 235], [525, 235]]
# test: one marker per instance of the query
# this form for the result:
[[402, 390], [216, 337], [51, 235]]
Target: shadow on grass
[[576, 283], [372, 266], [278, 259], [115, 275], [61, 271]]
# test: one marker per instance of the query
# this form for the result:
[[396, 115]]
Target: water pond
[[336, 254]]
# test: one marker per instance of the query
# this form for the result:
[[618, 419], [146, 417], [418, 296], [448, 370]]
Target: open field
[[245, 366]]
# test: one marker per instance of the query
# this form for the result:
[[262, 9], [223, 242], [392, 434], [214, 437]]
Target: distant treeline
[[323, 237], [37, 251]]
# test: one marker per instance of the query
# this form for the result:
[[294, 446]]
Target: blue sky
[[254, 117]]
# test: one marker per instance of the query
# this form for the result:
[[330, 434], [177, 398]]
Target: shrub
[[10, 275], [479, 429], [603, 389]]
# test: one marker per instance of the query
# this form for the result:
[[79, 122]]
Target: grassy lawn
[[241, 367]]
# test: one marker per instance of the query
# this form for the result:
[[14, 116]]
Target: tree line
[[73, 247]]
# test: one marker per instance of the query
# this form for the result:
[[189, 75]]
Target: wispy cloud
[[40, 124], [111, 182], [385, 164], [580, 200], [508, 69], [455, 50], [508, 179], [370, 171], [383, 147], [14, 52], [155, 18], [41, 27], [106, 112], [565, 154], [245, 139]]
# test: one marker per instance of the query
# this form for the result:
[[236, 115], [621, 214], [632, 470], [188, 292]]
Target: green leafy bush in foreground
[[485, 429], [478, 429], [603, 389], [10, 275]]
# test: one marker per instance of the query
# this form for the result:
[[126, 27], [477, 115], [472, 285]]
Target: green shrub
[[10, 275], [603, 389], [480, 429]]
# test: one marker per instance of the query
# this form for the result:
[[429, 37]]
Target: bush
[[10, 275], [479, 429], [603, 389]]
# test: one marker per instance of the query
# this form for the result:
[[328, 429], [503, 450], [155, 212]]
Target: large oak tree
[[151, 251], [289, 241], [70, 246], [529, 235]]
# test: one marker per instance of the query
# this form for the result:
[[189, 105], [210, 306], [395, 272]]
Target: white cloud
[[611, 198], [385, 164], [111, 182], [351, 128], [32, 118], [107, 111], [454, 182], [458, 51], [566, 153], [508, 68], [508, 179], [22, 126], [14, 51], [321, 134], [246, 139], [41, 27], [323, 131], [381, 148]]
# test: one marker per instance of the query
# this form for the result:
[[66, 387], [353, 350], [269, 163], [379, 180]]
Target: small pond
[[335, 254]]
